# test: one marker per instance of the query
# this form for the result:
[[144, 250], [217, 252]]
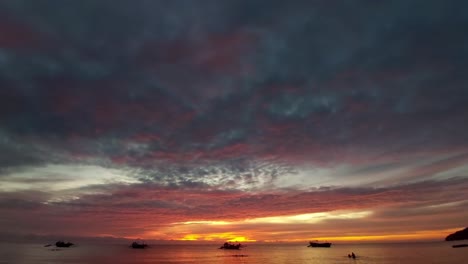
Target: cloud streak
[[169, 207]]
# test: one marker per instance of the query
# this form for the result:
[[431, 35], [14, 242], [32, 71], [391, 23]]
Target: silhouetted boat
[[317, 244], [230, 246], [139, 245], [63, 244], [460, 245]]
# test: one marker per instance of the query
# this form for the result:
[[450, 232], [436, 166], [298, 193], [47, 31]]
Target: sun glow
[[191, 237], [202, 230], [310, 218], [228, 236], [288, 219], [240, 239]]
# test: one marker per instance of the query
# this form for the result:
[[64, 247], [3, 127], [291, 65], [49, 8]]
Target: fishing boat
[[136, 244], [63, 244], [230, 246], [317, 244]]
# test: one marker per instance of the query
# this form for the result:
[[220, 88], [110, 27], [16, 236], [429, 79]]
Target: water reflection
[[254, 254]]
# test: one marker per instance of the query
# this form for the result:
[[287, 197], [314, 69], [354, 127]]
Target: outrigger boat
[[63, 244], [138, 245], [230, 246], [317, 244]]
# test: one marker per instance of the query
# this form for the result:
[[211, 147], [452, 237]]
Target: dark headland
[[459, 235]]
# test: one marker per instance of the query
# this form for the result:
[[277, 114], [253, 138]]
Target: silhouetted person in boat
[[352, 255]]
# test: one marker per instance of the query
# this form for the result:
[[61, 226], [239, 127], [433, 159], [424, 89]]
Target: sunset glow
[[216, 237], [431, 235], [243, 121], [309, 218]]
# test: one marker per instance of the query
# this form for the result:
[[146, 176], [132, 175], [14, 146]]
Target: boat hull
[[230, 246], [63, 244], [138, 245], [141, 246], [323, 245], [460, 245]]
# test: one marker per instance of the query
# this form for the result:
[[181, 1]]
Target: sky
[[234, 120]]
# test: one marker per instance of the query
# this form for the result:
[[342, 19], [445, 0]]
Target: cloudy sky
[[245, 120]]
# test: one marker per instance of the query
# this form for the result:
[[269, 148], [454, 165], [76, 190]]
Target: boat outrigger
[[460, 245], [317, 244]]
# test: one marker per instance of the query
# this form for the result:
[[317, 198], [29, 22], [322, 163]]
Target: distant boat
[[460, 245], [230, 246], [63, 244], [138, 245], [317, 244]]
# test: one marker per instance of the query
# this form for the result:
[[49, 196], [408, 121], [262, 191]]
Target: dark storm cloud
[[15, 155], [209, 92]]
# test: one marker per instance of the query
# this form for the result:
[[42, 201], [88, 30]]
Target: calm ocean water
[[411, 253]]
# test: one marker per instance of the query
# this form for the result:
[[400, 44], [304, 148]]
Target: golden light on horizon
[[417, 235], [412, 236], [190, 237], [309, 218], [241, 239], [228, 236], [287, 219], [274, 228], [200, 229]]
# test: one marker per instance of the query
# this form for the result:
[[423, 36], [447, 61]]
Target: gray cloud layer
[[234, 95]]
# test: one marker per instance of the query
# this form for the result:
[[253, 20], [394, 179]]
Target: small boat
[[317, 244], [230, 246], [460, 245], [60, 243], [138, 245]]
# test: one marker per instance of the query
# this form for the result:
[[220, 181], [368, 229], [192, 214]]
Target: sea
[[410, 253]]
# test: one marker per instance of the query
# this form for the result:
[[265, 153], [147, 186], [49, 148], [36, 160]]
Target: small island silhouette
[[459, 235]]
